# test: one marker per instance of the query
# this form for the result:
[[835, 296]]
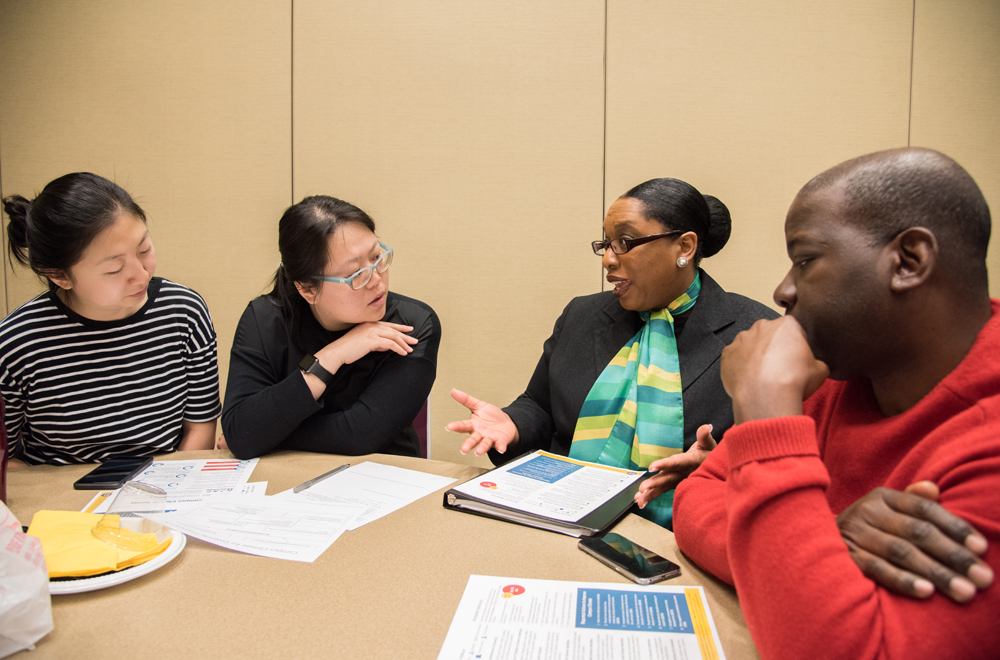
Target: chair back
[[422, 424]]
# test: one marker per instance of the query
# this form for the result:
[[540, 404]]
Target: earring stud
[[682, 262]]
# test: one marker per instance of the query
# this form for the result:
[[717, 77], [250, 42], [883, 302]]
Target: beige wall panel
[[748, 101], [472, 132], [956, 94], [3, 268], [185, 104]]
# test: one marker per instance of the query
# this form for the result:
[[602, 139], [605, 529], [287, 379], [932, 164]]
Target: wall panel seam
[[3, 245], [291, 99], [604, 137], [913, 36]]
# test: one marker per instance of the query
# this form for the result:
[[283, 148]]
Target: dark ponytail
[[16, 208], [677, 205], [303, 239], [50, 233]]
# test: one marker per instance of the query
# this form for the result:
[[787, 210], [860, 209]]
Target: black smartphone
[[630, 559], [113, 474]]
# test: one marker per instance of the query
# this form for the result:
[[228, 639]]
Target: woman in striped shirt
[[110, 361]]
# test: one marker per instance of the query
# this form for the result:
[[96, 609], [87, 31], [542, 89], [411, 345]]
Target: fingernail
[[962, 589], [976, 543], [981, 576], [923, 587]]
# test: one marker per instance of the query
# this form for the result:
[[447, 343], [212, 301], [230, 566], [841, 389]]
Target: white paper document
[[254, 489], [553, 486], [380, 489], [266, 526], [514, 618], [191, 482]]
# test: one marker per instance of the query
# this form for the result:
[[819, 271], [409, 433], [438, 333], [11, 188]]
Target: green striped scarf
[[634, 413]]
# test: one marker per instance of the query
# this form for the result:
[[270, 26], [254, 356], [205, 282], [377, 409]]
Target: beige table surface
[[386, 590]]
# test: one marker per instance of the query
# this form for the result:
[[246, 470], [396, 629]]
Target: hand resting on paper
[[488, 426], [673, 469], [909, 544]]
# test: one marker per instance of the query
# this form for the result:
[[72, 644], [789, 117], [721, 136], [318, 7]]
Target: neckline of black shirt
[[152, 291]]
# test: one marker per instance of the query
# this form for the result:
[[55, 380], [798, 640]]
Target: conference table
[[386, 590]]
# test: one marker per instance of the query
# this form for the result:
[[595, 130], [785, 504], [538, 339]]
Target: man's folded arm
[[700, 524], [800, 591]]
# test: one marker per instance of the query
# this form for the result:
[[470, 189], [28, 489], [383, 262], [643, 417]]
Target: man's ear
[[60, 279], [307, 292], [915, 252]]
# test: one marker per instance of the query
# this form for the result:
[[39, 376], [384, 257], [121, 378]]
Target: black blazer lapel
[[699, 346], [620, 325]]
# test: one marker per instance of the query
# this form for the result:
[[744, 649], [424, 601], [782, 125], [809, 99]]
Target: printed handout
[[511, 618], [191, 482], [266, 526], [553, 486], [380, 489]]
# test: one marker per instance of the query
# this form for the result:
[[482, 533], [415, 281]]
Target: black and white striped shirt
[[81, 391]]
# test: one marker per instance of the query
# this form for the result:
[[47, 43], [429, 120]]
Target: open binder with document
[[551, 492]]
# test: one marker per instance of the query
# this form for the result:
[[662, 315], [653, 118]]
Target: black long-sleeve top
[[369, 406]]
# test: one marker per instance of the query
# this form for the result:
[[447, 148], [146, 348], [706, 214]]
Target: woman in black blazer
[[682, 226]]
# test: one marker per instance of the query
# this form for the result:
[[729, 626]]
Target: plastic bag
[[25, 604]]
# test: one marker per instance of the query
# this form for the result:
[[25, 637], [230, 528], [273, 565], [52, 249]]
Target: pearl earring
[[682, 262]]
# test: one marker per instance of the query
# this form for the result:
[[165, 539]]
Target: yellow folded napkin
[[71, 550]]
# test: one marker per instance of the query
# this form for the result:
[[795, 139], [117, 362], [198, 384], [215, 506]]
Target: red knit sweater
[[760, 514]]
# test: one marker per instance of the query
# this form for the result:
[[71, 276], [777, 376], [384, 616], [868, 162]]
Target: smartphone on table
[[630, 559], [113, 473]]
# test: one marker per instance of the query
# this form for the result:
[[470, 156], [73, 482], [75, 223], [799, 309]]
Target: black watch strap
[[310, 364]]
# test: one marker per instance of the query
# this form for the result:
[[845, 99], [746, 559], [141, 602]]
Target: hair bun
[[720, 226], [17, 207]]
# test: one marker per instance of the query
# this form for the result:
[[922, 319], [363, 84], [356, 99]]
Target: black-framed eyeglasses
[[623, 245]]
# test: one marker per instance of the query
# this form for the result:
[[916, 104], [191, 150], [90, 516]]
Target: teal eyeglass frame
[[385, 259]]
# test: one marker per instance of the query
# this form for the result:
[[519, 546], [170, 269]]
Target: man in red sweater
[[892, 342]]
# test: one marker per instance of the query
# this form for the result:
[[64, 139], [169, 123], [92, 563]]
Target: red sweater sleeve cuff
[[766, 439]]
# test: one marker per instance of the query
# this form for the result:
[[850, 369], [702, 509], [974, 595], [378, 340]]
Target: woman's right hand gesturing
[[488, 426]]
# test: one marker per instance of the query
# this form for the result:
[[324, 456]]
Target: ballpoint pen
[[312, 482]]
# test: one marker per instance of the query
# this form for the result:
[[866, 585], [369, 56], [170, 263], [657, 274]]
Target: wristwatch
[[310, 364]]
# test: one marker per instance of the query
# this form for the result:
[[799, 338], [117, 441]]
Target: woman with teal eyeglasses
[[330, 360]]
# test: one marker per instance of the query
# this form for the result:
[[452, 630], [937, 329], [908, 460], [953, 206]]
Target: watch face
[[307, 362]]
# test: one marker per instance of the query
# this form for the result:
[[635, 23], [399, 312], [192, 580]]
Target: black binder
[[594, 523]]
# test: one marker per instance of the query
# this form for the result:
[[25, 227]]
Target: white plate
[[78, 586]]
